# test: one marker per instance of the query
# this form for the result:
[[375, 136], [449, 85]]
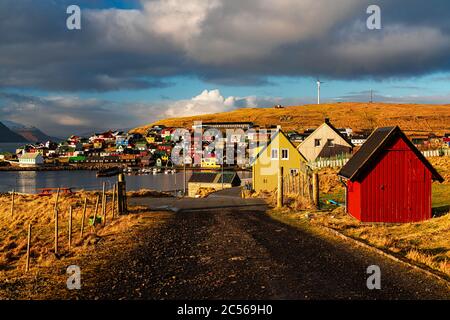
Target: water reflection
[[34, 181]]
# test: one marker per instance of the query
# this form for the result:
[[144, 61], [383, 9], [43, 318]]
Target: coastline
[[77, 167]]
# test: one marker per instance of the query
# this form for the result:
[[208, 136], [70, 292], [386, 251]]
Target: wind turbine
[[318, 90]]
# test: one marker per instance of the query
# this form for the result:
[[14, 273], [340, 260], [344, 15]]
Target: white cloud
[[212, 101]]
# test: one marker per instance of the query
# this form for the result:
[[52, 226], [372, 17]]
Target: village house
[[31, 159], [389, 180], [446, 139], [278, 154], [326, 141], [358, 140]]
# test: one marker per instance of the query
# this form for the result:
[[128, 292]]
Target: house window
[[285, 154], [293, 172], [330, 142], [316, 142], [274, 154]]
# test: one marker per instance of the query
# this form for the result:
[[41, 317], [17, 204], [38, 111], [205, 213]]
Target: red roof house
[[389, 180]]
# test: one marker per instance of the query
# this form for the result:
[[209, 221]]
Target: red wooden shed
[[389, 180]]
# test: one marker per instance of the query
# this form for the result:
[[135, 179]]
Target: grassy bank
[[426, 243], [38, 211]]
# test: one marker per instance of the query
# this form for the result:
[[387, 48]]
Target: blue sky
[[134, 62]]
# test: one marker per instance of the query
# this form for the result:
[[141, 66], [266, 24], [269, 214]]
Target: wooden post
[[56, 231], [104, 203], [82, 218], [113, 201], [316, 189], [12, 203], [117, 198], [122, 194], [280, 188], [70, 227], [27, 266], [57, 198], [95, 211]]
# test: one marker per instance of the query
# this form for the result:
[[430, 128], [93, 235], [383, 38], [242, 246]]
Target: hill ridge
[[412, 118]]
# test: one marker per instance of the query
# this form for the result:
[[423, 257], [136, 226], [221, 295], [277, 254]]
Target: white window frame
[[274, 152], [287, 153]]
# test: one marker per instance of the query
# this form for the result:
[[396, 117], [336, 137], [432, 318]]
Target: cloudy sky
[[137, 61]]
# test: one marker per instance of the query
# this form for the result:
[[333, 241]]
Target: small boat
[[156, 170], [108, 172]]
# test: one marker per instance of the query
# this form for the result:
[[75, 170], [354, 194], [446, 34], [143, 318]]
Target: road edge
[[404, 261]]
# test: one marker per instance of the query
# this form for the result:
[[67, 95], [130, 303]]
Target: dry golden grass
[[442, 164], [204, 192], [38, 211], [427, 242], [418, 118]]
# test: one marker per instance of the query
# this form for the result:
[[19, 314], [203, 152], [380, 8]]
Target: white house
[[325, 142], [31, 160]]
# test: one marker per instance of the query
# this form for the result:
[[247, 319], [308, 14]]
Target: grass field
[[38, 211], [426, 243], [411, 118]]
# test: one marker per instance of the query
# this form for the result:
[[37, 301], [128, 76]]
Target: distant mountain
[[7, 135], [30, 133]]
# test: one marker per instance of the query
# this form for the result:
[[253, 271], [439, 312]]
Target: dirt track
[[241, 253]]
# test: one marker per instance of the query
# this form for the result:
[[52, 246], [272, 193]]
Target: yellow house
[[279, 153], [210, 163]]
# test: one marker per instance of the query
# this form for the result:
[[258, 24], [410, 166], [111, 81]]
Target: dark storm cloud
[[224, 42]]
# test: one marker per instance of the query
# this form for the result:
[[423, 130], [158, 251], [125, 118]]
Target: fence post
[[122, 194], [27, 266], [57, 198], [12, 203], [70, 227], [56, 231], [95, 210], [104, 203], [316, 189], [280, 188], [82, 218], [113, 201]]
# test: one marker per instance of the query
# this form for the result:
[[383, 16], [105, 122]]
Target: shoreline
[[96, 167]]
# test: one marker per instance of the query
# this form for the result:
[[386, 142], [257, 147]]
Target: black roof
[[214, 177], [207, 177], [229, 177], [373, 147]]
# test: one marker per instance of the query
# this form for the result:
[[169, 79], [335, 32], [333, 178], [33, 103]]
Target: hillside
[[35, 135], [30, 133], [6, 135], [412, 118]]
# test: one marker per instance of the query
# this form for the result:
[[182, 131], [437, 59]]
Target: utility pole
[[223, 163], [184, 179]]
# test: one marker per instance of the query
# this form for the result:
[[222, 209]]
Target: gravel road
[[242, 253]]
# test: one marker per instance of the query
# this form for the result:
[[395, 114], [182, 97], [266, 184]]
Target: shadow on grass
[[441, 211]]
